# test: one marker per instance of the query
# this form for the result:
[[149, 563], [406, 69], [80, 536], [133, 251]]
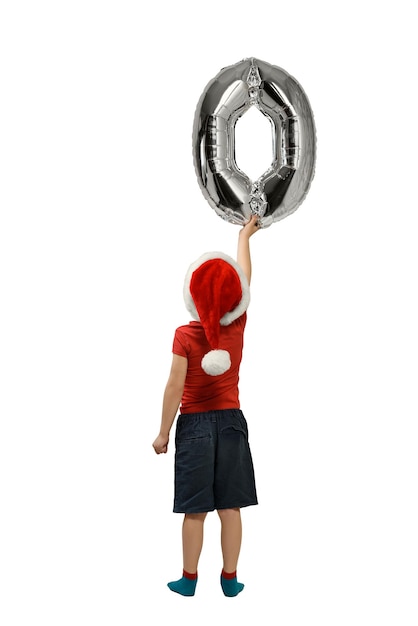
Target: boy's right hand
[[251, 227], [160, 445]]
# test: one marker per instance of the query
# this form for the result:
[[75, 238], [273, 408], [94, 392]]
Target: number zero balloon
[[281, 189]]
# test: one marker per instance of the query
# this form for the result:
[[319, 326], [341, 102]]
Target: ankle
[[230, 586], [229, 575], [186, 586]]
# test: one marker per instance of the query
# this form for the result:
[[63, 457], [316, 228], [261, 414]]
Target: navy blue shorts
[[213, 463]]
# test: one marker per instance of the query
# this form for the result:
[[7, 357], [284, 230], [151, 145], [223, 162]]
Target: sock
[[230, 586], [186, 586]]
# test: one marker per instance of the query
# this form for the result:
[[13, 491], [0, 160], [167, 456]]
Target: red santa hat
[[216, 293]]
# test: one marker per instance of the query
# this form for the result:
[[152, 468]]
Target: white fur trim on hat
[[216, 362], [231, 316]]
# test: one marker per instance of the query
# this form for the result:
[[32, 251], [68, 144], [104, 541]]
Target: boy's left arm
[[171, 401]]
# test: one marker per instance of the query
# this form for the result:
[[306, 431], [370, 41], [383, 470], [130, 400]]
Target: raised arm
[[243, 253]]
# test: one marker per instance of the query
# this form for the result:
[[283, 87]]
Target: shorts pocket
[[192, 434], [236, 426], [192, 440]]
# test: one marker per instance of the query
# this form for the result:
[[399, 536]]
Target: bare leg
[[192, 540], [231, 536], [192, 534]]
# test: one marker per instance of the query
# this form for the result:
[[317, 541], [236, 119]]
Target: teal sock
[[186, 586], [230, 586]]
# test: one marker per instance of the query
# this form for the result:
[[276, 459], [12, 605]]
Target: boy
[[213, 464]]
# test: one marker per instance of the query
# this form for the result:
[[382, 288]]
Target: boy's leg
[[192, 534], [231, 537]]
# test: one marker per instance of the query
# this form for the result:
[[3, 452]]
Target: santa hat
[[216, 293]]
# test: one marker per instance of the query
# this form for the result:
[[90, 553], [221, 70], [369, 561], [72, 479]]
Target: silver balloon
[[283, 186]]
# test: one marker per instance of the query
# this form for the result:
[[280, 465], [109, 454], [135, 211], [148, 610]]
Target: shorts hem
[[191, 511], [236, 506], [185, 510]]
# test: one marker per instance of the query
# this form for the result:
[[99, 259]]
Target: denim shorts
[[213, 463]]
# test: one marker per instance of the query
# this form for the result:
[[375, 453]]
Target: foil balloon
[[281, 189]]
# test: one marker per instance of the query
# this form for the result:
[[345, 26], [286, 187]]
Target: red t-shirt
[[201, 391]]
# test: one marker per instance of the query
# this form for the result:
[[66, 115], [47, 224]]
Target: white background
[[101, 215]]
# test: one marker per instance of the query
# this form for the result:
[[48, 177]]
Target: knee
[[198, 517], [228, 513]]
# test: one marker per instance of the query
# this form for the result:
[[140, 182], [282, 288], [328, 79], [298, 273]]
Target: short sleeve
[[180, 344]]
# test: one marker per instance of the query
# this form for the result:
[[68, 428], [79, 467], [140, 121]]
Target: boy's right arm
[[243, 253]]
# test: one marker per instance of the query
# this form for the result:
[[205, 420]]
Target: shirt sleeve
[[180, 344], [242, 321]]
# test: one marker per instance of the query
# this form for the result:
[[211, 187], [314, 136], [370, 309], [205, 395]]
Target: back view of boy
[[213, 463]]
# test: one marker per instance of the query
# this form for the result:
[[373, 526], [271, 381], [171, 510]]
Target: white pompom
[[216, 362]]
